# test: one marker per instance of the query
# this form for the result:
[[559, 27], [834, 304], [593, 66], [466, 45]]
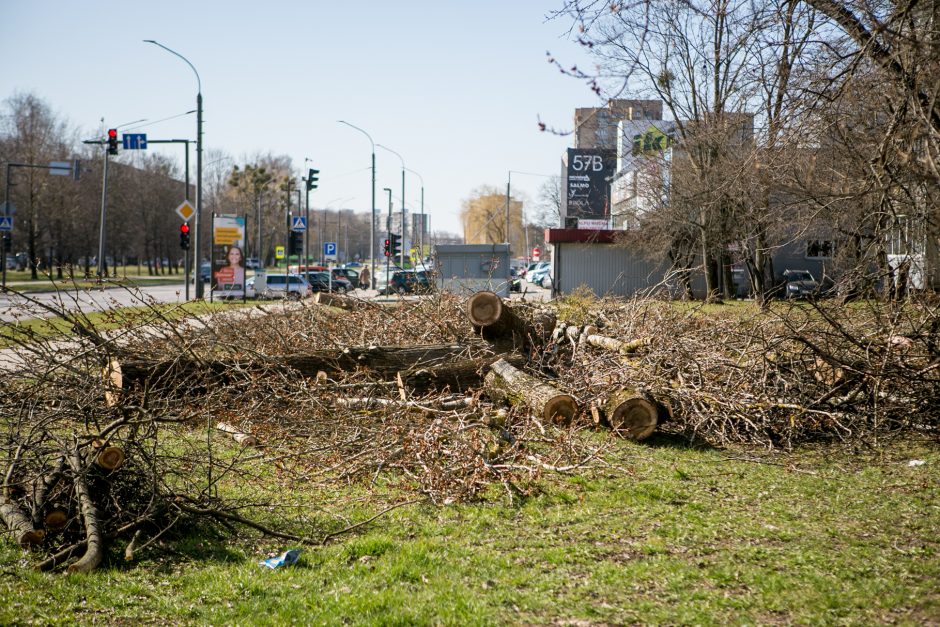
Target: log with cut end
[[505, 382], [56, 519], [633, 414], [110, 458], [19, 523], [245, 439], [496, 321]]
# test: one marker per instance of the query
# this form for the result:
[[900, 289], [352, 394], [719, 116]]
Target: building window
[[819, 249]]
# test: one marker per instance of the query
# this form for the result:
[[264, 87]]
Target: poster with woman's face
[[228, 255]]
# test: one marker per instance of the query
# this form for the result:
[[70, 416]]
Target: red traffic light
[[112, 133], [184, 228]]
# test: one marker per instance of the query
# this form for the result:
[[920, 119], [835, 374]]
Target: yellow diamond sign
[[185, 211]]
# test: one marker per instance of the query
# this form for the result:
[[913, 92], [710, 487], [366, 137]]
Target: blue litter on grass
[[287, 558]]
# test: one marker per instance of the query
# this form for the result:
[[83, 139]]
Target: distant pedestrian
[[364, 277]]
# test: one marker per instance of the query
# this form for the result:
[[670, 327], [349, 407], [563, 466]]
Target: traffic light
[[184, 236], [295, 243], [7, 243], [387, 245], [312, 179], [395, 249], [112, 141]]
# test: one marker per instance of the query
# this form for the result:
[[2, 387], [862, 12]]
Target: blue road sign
[[135, 141], [6, 224], [329, 249], [298, 223]]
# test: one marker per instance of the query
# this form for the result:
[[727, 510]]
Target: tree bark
[[613, 344], [507, 383], [19, 523], [245, 439], [94, 542]]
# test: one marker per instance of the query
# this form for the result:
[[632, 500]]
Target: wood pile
[[126, 440]]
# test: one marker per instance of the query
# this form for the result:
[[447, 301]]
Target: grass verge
[[660, 533]]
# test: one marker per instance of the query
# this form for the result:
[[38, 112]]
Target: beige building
[[596, 127]]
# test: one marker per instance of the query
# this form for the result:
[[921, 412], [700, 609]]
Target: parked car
[[538, 276], [277, 286], [348, 274], [409, 282], [252, 263], [205, 271], [381, 277], [801, 284], [534, 269], [320, 282]]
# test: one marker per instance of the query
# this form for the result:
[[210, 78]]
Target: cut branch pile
[[113, 440]]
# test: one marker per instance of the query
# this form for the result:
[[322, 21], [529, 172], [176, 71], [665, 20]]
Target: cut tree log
[[507, 383], [341, 302], [110, 458], [496, 321], [634, 414], [245, 439], [384, 360], [613, 344], [113, 382], [20, 524], [94, 542], [56, 519]]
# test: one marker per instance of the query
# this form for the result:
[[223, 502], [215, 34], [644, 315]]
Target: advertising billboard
[[586, 185], [228, 255]]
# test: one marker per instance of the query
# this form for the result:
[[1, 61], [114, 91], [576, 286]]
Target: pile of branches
[[219, 419], [799, 372]]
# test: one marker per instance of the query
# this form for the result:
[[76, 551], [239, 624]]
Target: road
[[13, 307]]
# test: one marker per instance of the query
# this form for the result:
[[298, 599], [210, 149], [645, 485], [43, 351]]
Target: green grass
[[662, 533]]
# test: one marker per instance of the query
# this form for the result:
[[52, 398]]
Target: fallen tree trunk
[[384, 360], [245, 439], [633, 414], [496, 322], [341, 302], [613, 344], [94, 542], [19, 523], [509, 384]]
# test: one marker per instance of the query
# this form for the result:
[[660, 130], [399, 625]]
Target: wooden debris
[[496, 322], [245, 439], [507, 383], [633, 414]]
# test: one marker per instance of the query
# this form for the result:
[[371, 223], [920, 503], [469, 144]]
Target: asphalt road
[[13, 306]]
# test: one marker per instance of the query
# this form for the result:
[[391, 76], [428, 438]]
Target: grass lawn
[[659, 533], [22, 281]]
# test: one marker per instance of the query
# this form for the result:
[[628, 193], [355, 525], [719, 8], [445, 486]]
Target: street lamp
[[372, 225], [403, 168], [421, 232], [196, 248]]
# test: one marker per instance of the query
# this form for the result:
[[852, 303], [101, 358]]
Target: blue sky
[[456, 88]]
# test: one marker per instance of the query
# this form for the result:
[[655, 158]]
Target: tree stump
[[509, 384]]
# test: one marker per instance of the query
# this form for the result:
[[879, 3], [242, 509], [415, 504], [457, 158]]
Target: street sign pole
[[101, 234], [6, 212]]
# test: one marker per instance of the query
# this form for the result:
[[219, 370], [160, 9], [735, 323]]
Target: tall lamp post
[[197, 255], [372, 224], [421, 232], [403, 168]]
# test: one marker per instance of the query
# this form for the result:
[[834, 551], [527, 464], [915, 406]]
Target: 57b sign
[[587, 163]]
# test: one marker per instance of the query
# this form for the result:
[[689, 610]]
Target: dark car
[[347, 273], [320, 282], [410, 282], [802, 284]]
